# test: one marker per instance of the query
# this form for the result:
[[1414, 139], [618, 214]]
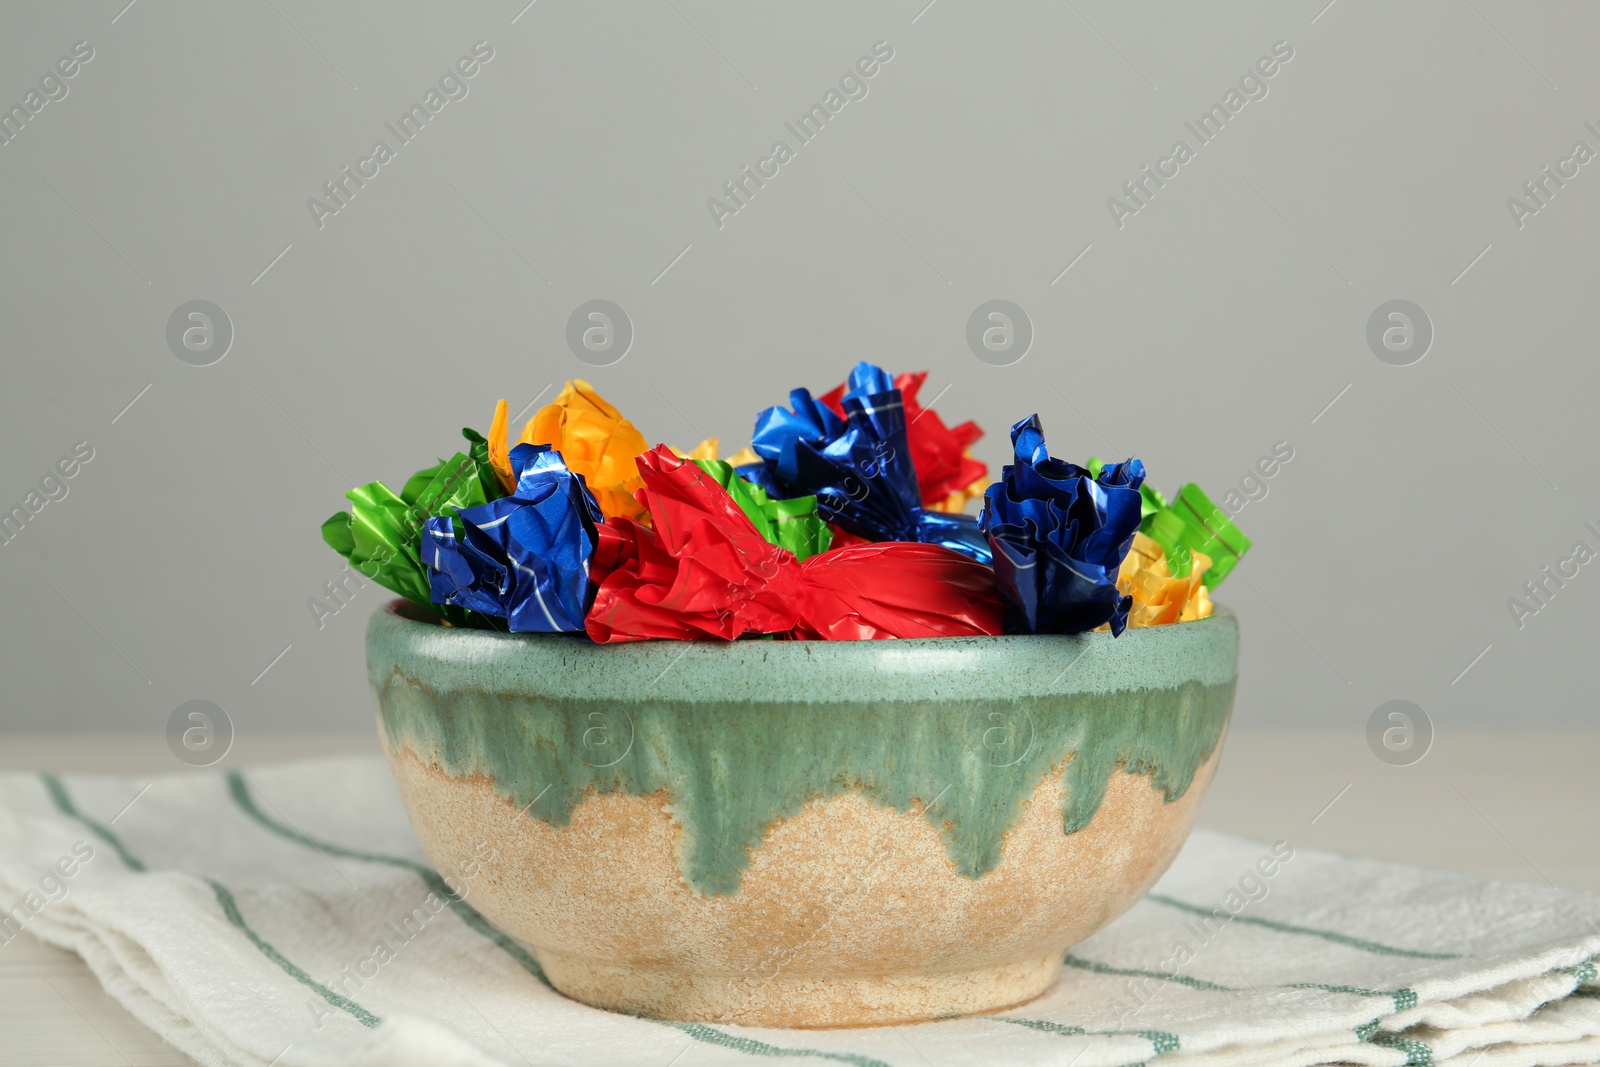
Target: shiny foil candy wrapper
[[842, 520], [858, 466], [1059, 536]]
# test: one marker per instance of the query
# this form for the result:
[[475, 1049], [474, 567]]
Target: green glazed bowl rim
[[402, 638]]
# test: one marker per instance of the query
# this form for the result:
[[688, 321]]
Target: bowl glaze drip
[[731, 759]]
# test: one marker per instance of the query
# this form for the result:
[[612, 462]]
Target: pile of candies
[[843, 520]]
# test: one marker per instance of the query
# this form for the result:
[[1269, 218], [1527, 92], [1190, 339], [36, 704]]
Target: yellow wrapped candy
[[707, 449], [710, 448], [956, 502], [1159, 598]]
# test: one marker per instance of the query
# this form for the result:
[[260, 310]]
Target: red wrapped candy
[[705, 571]]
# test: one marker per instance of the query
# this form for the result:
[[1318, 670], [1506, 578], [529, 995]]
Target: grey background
[[1221, 319]]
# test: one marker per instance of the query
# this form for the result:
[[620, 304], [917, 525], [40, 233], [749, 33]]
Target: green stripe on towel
[[1326, 935], [230, 907], [749, 1045], [239, 789], [58, 793], [1133, 972], [1416, 1052], [1403, 998], [1161, 1041]]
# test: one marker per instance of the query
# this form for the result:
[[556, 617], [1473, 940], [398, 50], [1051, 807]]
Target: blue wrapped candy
[[1059, 535], [859, 468], [525, 557]]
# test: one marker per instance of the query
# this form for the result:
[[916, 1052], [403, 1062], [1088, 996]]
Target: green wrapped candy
[[793, 523], [1194, 524], [1168, 530], [381, 534]]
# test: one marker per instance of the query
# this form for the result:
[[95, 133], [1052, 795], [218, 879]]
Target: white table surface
[[1503, 805]]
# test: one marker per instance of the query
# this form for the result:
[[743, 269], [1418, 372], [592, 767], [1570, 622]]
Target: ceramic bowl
[[801, 833]]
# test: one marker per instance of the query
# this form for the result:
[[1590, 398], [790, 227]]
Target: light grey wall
[[1224, 316]]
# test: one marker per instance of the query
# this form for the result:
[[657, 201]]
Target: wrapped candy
[[499, 447], [591, 435], [859, 468], [706, 571], [956, 502], [791, 523], [707, 449], [1193, 525], [596, 442], [523, 558], [947, 474], [1059, 537], [897, 589], [374, 537], [381, 534], [1151, 499], [1190, 525], [841, 521], [463, 477], [1158, 596]]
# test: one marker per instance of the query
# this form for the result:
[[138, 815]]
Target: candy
[[792, 523], [1158, 597], [705, 571], [1059, 536], [500, 448], [841, 521], [707, 449], [523, 558], [593, 439], [1167, 529], [1151, 499], [859, 468], [1193, 524], [947, 474], [381, 534], [374, 537]]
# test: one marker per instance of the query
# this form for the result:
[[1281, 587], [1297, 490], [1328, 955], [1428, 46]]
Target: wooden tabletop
[[1502, 805]]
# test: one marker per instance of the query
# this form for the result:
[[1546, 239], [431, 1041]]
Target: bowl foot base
[[798, 1000]]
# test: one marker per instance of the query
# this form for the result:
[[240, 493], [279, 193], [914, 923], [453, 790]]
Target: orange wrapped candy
[[592, 437], [596, 442], [1159, 598], [500, 447]]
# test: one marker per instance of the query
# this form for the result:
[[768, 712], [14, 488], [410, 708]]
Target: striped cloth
[[286, 916]]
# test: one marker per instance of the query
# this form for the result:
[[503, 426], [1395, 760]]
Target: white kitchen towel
[[286, 916]]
